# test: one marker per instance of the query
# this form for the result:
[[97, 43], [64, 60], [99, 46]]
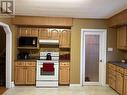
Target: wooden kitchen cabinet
[[30, 75], [65, 36], [117, 78], [64, 73], [20, 73], [122, 37], [112, 76], [54, 33], [25, 31], [44, 33], [125, 82], [49, 34], [119, 83], [125, 85], [25, 72]]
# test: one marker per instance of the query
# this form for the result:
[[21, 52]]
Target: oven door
[[52, 75]]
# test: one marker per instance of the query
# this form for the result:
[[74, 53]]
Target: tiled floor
[[86, 90]]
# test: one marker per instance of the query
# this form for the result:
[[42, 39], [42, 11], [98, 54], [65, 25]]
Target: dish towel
[[48, 67]]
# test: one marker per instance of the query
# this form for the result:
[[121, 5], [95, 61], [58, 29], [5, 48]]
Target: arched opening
[[8, 54]]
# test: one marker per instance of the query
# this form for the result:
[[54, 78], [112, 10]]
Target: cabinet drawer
[[20, 63], [65, 64], [120, 70], [30, 63]]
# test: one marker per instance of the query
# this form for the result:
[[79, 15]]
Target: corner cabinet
[[122, 37], [25, 73], [117, 78], [64, 73]]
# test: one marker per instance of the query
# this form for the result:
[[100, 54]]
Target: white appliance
[[52, 42], [47, 70]]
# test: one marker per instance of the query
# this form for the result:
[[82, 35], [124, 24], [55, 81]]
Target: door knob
[[100, 60]]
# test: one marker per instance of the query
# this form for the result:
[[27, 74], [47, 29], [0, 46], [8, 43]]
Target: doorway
[[2, 57], [93, 57], [9, 83]]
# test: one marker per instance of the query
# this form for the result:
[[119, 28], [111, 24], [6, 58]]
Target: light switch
[[110, 49]]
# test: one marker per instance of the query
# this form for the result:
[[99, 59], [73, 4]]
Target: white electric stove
[[47, 70]]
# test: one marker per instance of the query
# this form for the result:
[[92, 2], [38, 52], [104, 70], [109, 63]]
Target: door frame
[[8, 32], [103, 63]]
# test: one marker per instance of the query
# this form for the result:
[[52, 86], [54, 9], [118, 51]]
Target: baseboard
[[12, 85], [77, 85], [106, 85]]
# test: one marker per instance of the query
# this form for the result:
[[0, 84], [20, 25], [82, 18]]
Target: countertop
[[119, 63], [40, 59]]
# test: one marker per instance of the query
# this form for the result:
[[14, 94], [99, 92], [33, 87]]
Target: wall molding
[[75, 85], [8, 54]]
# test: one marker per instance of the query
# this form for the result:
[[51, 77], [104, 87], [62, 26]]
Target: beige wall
[[79, 24], [112, 42]]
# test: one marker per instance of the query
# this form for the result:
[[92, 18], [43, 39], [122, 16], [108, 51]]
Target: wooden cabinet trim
[[42, 21], [118, 19]]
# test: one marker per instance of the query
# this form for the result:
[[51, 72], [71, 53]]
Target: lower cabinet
[[64, 73], [125, 85], [30, 75], [112, 76], [25, 73], [119, 83], [112, 82], [20, 77], [116, 79]]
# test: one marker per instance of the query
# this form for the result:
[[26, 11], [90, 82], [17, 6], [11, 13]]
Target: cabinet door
[[64, 75], [119, 83], [112, 82], [65, 38], [43, 33], [20, 75], [54, 34], [121, 37], [34, 32], [22, 32], [30, 75], [125, 85]]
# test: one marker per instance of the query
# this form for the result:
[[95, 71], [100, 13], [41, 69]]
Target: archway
[[8, 54]]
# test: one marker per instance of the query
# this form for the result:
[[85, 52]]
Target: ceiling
[[70, 8]]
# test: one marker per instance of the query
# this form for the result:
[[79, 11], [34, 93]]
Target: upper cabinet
[[122, 37], [24, 31], [118, 19], [65, 36], [49, 34]]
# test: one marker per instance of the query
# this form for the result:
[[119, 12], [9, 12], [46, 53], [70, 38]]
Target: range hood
[[49, 42]]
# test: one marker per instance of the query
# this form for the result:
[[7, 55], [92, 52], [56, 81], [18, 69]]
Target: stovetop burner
[[49, 55]]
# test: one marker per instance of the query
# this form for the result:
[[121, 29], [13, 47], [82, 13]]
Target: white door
[[93, 56]]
